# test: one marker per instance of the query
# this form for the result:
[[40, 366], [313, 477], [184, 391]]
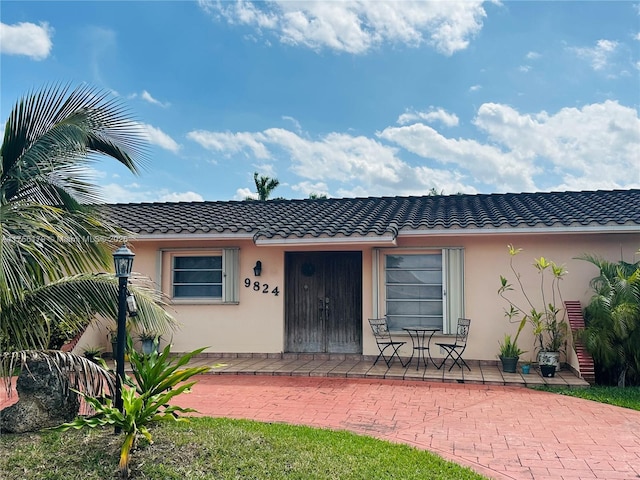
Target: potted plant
[[92, 353], [150, 342], [113, 339], [543, 310], [547, 370], [509, 354], [526, 367]]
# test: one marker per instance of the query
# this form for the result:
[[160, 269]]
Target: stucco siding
[[256, 323]]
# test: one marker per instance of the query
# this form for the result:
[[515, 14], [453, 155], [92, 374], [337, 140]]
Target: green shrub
[[158, 379]]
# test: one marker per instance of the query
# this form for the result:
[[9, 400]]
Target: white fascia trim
[[192, 236], [520, 230], [389, 240]]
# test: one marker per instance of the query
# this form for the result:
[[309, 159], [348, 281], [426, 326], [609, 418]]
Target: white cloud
[[155, 136], [295, 123], [26, 39], [229, 143], [475, 88], [181, 197], [146, 96], [637, 37], [529, 56], [600, 55], [244, 193], [340, 158], [135, 193], [485, 163], [431, 116], [593, 147], [356, 26], [598, 143], [307, 188]]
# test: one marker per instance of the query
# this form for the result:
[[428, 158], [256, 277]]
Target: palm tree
[[50, 229], [317, 196], [612, 334], [264, 186]]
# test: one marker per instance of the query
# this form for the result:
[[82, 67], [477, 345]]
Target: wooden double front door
[[323, 312]]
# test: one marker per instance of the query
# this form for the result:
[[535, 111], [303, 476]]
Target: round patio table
[[421, 344]]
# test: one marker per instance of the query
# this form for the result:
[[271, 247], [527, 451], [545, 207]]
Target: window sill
[[404, 333], [200, 301]]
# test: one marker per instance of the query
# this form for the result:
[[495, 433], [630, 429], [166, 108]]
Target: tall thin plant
[[546, 318]]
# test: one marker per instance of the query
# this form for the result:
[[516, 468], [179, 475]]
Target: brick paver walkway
[[501, 432]]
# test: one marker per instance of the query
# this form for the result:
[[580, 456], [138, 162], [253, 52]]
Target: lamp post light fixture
[[123, 262]]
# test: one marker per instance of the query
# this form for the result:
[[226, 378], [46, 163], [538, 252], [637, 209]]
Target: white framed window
[[413, 290], [422, 288], [202, 276], [197, 276]]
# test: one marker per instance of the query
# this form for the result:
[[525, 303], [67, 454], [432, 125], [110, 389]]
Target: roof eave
[[192, 236], [522, 230], [378, 240]]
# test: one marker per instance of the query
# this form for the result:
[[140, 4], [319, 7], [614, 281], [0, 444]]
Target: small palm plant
[[158, 378], [612, 334]]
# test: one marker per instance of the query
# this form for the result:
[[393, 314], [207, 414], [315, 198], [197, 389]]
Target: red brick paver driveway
[[501, 432]]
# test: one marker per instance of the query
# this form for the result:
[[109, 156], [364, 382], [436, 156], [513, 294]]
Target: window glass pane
[[396, 292], [414, 261], [413, 277], [397, 322], [197, 277], [425, 308], [414, 290], [198, 263], [195, 291]]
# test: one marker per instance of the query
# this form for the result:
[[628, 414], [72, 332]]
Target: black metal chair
[[455, 350], [384, 341]]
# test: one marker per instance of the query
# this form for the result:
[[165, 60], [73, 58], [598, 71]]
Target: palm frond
[[53, 130], [26, 321], [42, 242], [82, 374]]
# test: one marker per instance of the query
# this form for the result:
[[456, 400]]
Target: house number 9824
[[260, 287]]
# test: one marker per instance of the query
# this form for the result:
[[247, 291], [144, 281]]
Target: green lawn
[[207, 448], [622, 397]]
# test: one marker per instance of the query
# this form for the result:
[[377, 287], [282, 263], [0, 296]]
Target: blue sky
[[348, 98]]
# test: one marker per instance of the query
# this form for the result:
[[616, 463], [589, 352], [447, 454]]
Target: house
[[305, 275]]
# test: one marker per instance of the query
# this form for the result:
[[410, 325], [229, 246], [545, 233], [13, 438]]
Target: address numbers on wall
[[260, 287]]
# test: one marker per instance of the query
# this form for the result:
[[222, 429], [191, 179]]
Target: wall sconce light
[[257, 270]]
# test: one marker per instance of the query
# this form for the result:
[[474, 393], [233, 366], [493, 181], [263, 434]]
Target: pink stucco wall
[[256, 323]]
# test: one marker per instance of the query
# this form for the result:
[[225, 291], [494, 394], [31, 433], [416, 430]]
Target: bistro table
[[421, 344]]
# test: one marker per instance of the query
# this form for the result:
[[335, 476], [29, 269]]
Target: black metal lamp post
[[123, 262]]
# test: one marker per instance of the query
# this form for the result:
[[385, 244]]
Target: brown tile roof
[[357, 217]]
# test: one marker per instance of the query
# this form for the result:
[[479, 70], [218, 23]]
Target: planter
[[509, 364], [525, 369], [149, 346], [548, 370], [550, 358]]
